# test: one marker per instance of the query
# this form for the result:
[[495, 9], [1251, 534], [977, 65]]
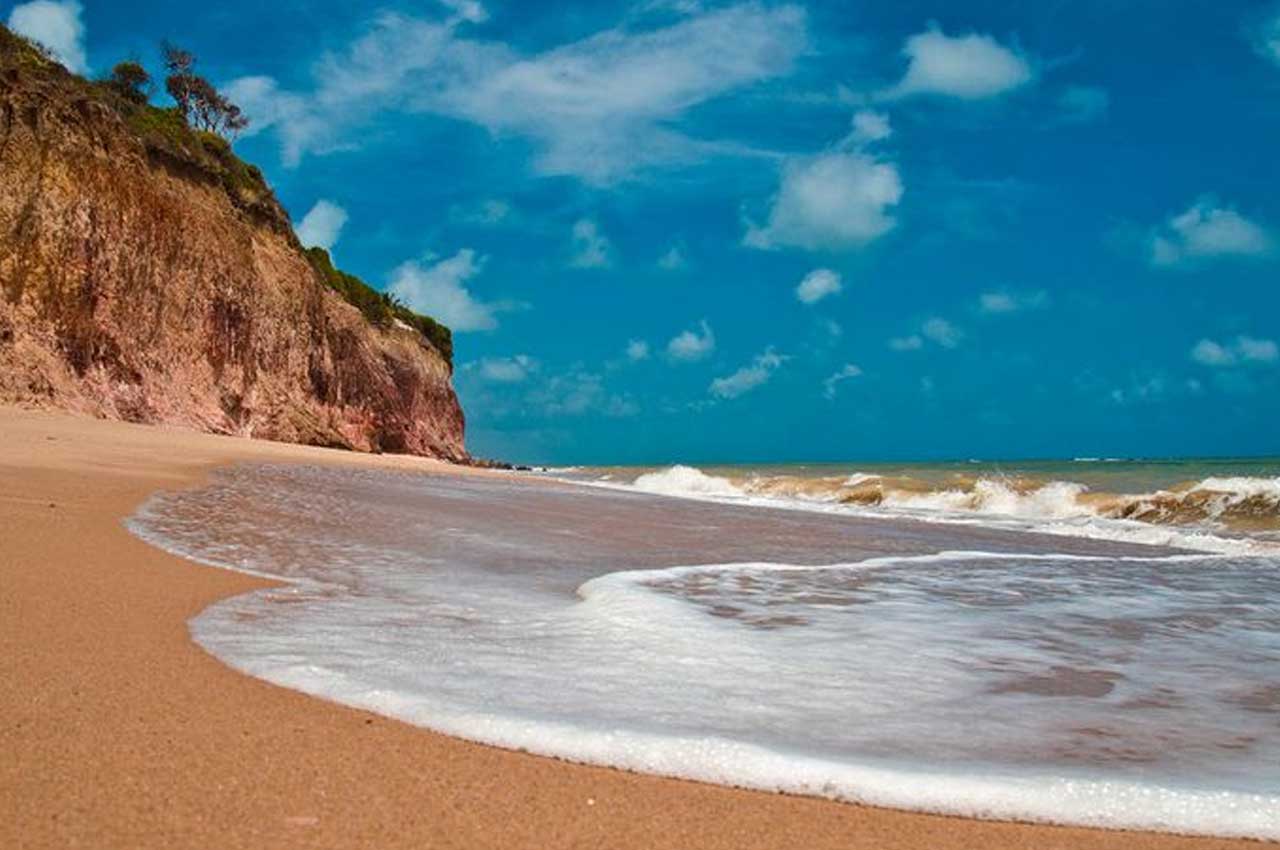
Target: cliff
[[147, 274]]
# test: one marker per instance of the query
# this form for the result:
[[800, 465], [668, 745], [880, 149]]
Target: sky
[[683, 231]]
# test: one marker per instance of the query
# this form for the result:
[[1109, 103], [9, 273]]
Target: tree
[[201, 104], [131, 80], [181, 79]]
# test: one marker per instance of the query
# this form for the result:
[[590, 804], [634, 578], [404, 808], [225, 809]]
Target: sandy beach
[[118, 731]]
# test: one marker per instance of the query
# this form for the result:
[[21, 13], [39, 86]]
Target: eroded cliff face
[[136, 285]]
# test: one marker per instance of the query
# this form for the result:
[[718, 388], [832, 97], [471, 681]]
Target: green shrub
[[23, 52], [380, 308]]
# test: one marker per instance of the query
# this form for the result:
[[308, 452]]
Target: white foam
[[685, 481], [1051, 509], [916, 682], [1055, 500]]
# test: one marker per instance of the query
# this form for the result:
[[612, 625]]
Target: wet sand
[[117, 731]]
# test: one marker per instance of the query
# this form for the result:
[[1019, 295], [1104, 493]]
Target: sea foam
[[1121, 690], [1190, 517]]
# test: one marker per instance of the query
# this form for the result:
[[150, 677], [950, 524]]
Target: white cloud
[[692, 344], [487, 213], [914, 342], [438, 291], [1244, 349], [637, 349], [1083, 104], [507, 370], [466, 10], [869, 126], [1142, 390], [322, 225], [1260, 350], [1011, 302], [673, 259], [1268, 40], [937, 330], [818, 284], [758, 372], [599, 109], [970, 67], [576, 393], [591, 248], [300, 127], [1207, 231], [942, 332], [1210, 353], [56, 24], [844, 373], [831, 201]]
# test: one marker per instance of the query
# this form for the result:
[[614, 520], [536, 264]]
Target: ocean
[[1086, 642]]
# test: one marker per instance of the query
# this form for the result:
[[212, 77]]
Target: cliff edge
[[148, 275]]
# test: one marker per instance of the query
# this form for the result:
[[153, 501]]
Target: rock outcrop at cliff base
[[161, 282]]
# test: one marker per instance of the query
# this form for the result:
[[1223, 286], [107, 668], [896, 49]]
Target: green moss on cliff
[[197, 154], [23, 53], [379, 308]]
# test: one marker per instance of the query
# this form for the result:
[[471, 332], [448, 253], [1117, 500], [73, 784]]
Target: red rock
[[137, 285]]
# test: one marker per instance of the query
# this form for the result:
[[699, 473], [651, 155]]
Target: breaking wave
[[1214, 513]]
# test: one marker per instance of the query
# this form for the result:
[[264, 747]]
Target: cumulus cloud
[[746, 379], [1244, 349], [913, 342], [439, 291], [506, 370], [869, 126], [322, 225], [598, 109], [937, 330], [833, 201], [1207, 231], [55, 24], [673, 259], [1082, 105], [994, 303], [578, 392], [466, 10], [637, 349], [818, 284], [970, 67], [942, 332], [488, 212], [591, 248], [830, 385], [693, 344]]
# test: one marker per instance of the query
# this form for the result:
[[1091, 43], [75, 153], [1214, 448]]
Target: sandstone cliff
[[147, 274]]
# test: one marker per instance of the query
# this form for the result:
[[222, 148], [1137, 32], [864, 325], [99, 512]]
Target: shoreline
[[121, 731]]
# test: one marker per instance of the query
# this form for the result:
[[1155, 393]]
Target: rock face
[[138, 284]]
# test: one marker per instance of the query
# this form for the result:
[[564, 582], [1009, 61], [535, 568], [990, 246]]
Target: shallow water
[[941, 667]]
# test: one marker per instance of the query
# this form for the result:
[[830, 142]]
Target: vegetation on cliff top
[[189, 138], [380, 308]]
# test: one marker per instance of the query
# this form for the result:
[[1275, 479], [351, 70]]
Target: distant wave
[[1222, 514]]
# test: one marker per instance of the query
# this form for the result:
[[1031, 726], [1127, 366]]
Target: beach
[[119, 731]]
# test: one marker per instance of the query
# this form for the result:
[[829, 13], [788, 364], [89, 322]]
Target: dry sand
[[117, 731]]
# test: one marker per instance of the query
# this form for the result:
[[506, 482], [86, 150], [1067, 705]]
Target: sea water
[[982, 669]]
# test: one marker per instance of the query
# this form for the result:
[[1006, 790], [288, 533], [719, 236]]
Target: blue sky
[[766, 232]]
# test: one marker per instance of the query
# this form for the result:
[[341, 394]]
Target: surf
[[949, 669]]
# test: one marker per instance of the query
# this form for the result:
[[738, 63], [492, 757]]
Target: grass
[[379, 308], [165, 133]]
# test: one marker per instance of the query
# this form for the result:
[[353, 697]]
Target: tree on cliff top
[[200, 103], [131, 80]]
